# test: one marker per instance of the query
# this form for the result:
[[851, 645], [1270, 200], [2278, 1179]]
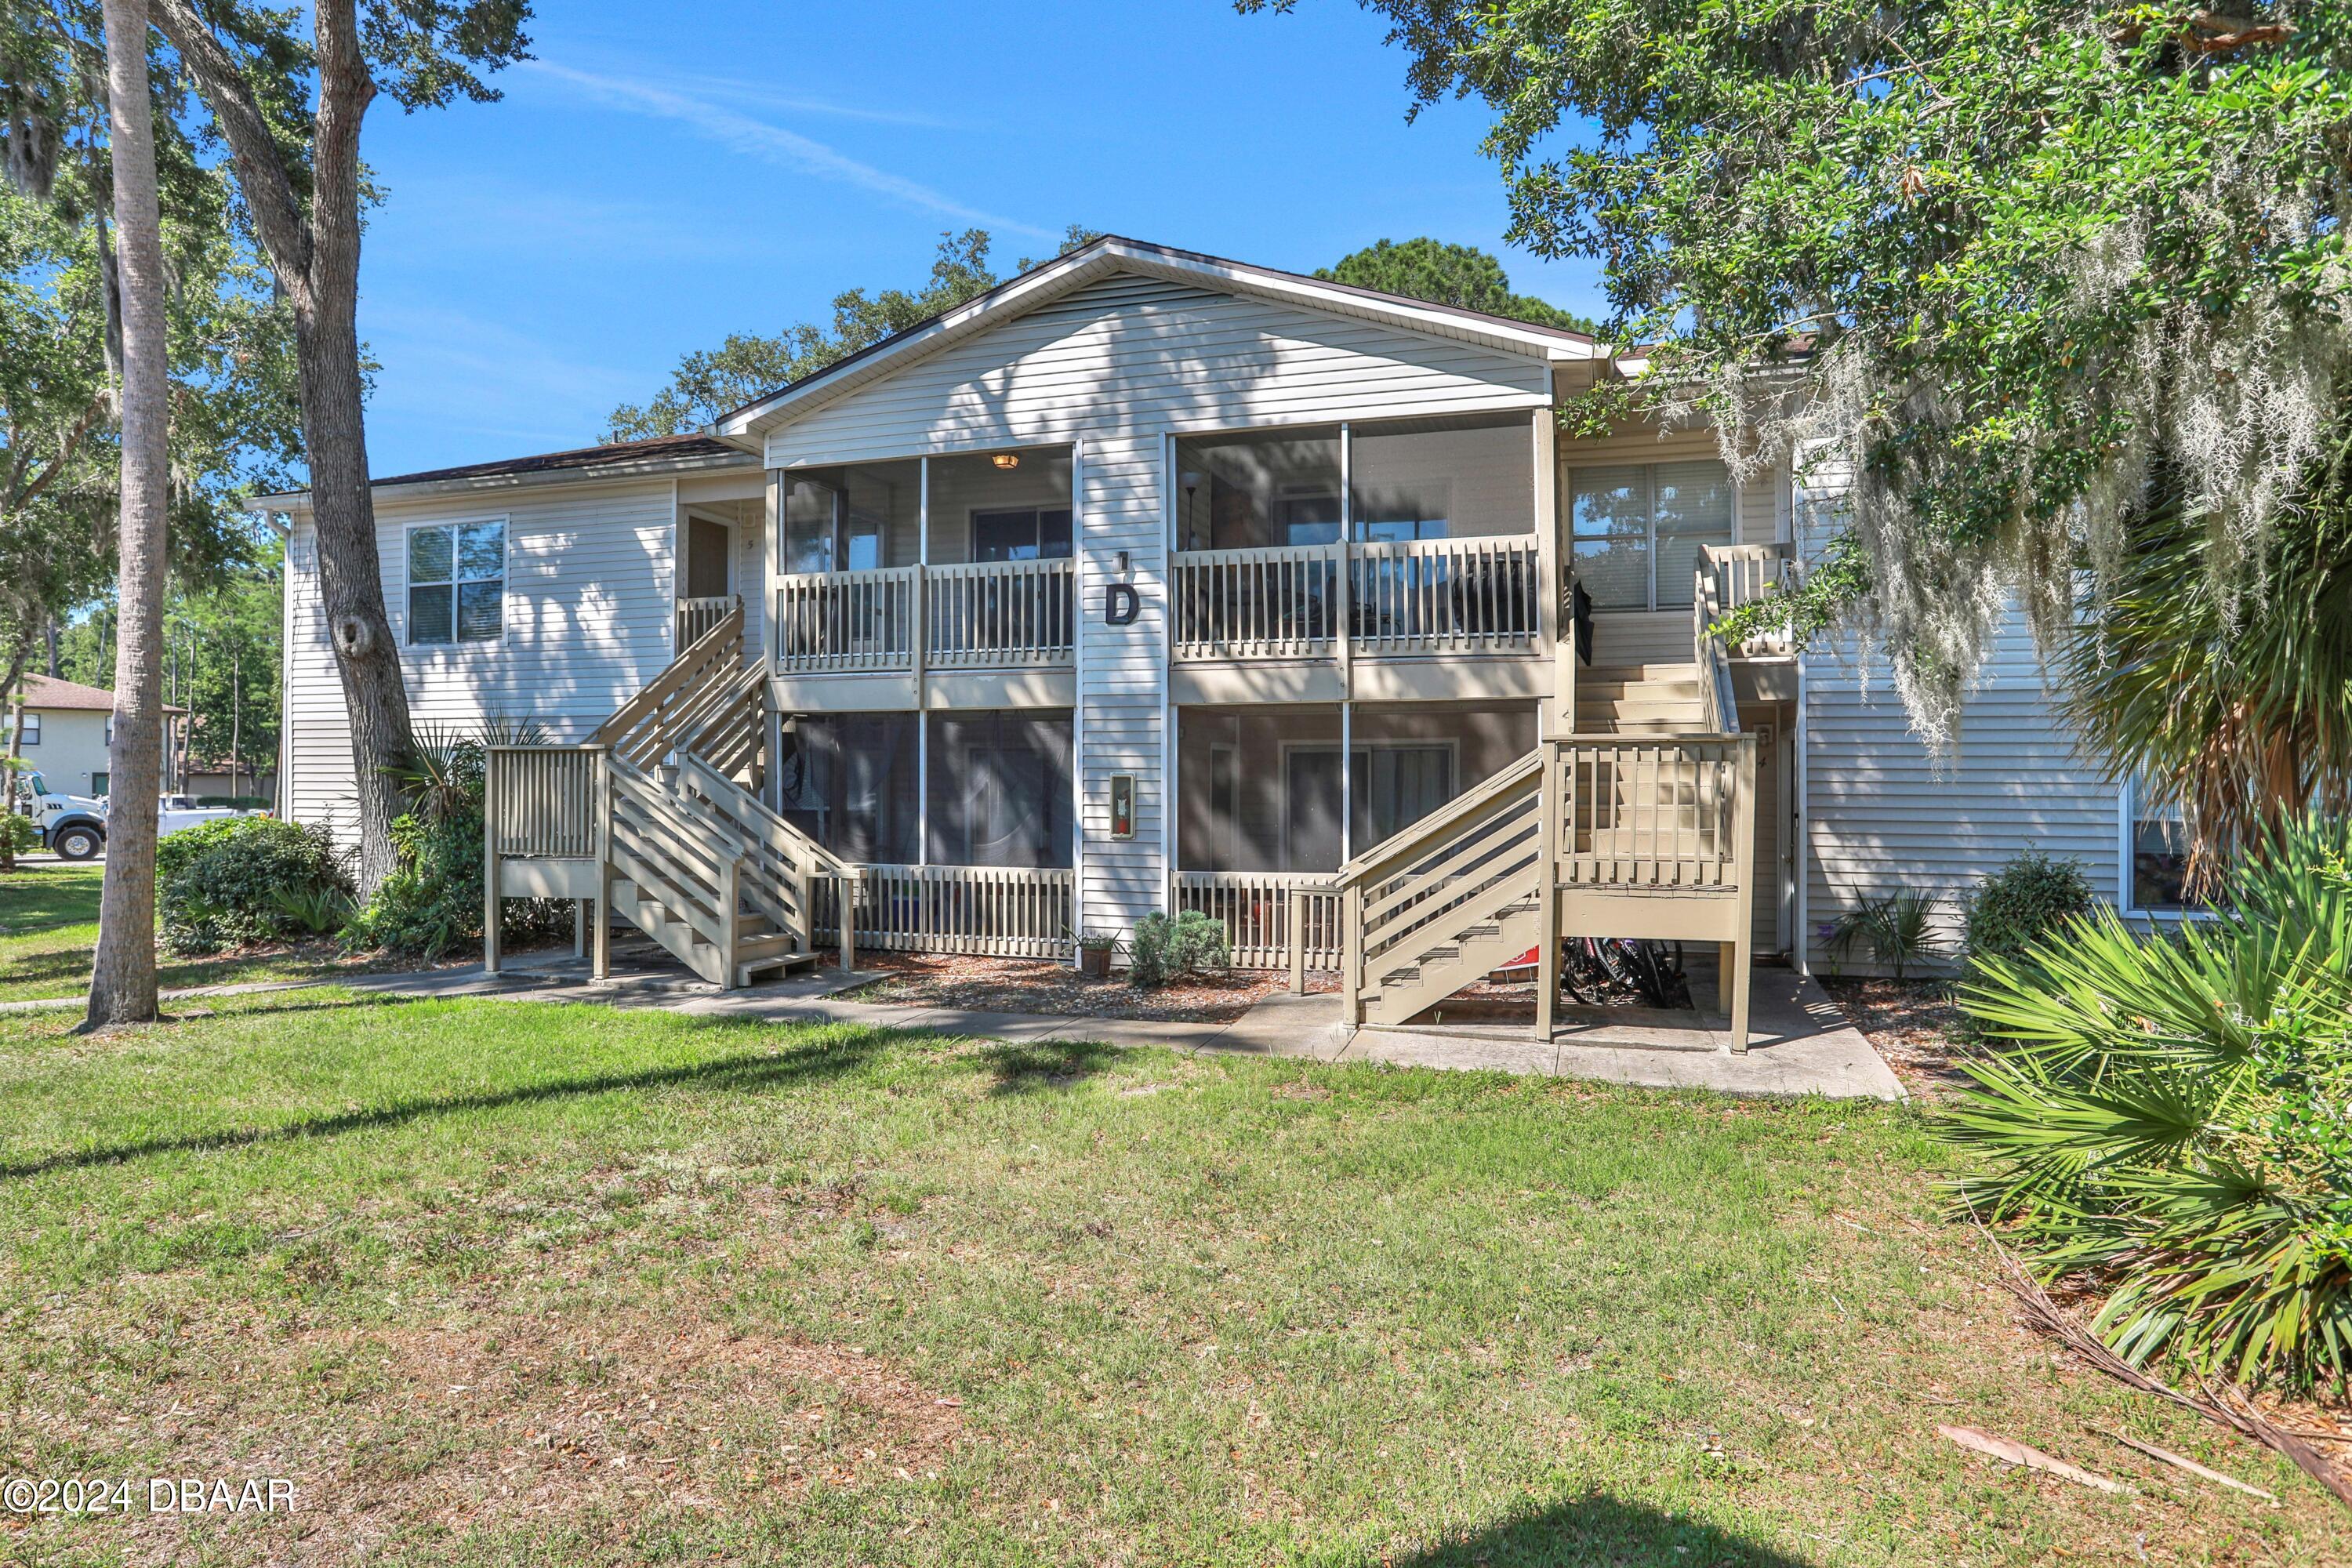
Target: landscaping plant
[[2169, 1119], [431, 904], [2031, 898], [1160, 949], [223, 884], [1899, 930]]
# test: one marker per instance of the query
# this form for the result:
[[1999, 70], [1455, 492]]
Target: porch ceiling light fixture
[[1006, 459]]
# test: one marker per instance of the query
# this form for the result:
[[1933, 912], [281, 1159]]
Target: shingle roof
[[658, 448], [42, 691]]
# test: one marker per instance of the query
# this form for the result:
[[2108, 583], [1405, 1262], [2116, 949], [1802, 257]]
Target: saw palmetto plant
[[2168, 1118]]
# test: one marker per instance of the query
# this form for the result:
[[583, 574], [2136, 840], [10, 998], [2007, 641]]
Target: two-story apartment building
[[1151, 580]]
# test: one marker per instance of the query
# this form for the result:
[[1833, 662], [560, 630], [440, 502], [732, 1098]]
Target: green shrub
[[1899, 930], [217, 885], [2169, 1119], [17, 835], [2031, 898], [1160, 949]]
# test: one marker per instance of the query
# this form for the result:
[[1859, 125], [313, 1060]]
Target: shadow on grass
[[1026, 1067], [1596, 1530], [750, 1071]]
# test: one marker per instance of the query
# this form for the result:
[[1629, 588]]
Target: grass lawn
[[506, 1282], [48, 931]]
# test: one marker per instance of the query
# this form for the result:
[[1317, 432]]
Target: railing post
[[847, 898], [1744, 864], [1351, 961], [494, 787], [1297, 934], [730, 918], [1548, 803], [600, 774]]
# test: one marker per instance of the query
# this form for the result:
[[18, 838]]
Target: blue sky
[[663, 174]]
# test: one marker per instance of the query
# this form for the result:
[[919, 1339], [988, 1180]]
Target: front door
[[707, 549]]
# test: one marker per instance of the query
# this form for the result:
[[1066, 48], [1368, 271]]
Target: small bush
[[1899, 930], [17, 835], [220, 884], [2031, 898], [1160, 949]]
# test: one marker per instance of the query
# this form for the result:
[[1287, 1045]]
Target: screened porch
[[960, 562], [1265, 812], [963, 823]]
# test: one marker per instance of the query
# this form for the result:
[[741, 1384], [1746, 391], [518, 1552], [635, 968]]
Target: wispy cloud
[[772, 144]]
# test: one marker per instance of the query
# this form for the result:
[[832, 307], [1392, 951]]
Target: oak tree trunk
[[122, 983], [314, 245]]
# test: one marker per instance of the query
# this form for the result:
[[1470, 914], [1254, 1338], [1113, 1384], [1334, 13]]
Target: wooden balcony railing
[[542, 800], [834, 622], [697, 616], [1743, 574], [1257, 908], [993, 911], [1655, 814], [998, 614], [1257, 603], [986, 615], [1479, 594]]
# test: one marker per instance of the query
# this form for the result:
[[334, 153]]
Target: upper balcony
[[957, 570], [1396, 560]]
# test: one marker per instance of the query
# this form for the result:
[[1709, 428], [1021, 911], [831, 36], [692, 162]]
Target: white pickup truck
[[75, 824]]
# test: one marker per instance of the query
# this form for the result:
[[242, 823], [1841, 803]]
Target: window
[[98, 784], [1638, 528], [2156, 854], [1024, 533], [457, 583], [32, 730], [1391, 786]]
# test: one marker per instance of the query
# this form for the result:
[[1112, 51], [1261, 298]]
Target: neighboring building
[[67, 729], [217, 781], [1151, 580]]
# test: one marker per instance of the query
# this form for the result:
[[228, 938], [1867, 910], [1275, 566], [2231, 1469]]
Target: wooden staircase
[[1640, 699], [1637, 824], [677, 841]]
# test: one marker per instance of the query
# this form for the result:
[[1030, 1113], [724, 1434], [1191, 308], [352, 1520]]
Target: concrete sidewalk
[[1800, 1042]]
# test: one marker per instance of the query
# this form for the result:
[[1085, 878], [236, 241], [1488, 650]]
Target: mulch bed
[[1915, 1025], [1033, 985]]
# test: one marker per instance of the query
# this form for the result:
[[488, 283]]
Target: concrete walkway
[[1800, 1042]]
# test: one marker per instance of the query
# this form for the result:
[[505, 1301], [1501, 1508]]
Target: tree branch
[[269, 194]]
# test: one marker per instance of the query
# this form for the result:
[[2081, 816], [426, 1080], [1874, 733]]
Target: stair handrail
[[807, 858], [1719, 699], [674, 678], [1408, 843]]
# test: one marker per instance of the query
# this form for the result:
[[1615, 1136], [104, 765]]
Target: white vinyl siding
[[1886, 815], [1116, 367], [586, 623]]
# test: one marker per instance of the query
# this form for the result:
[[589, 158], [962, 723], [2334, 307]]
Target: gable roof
[[45, 691], [658, 453], [1112, 253]]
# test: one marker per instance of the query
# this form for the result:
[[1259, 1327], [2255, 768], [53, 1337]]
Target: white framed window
[[32, 730], [1638, 527], [457, 582], [2154, 846]]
